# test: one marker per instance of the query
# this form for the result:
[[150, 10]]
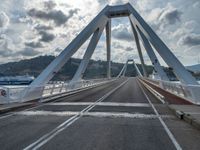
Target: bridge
[[109, 113]]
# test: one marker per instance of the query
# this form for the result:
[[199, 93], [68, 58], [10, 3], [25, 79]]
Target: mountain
[[194, 68], [95, 69]]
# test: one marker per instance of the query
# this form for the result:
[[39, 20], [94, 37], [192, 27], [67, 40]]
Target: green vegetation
[[95, 69]]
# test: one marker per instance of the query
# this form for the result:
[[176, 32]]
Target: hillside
[[34, 66], [194, 68]]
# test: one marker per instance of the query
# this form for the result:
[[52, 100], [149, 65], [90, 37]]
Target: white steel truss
[[103, 20]]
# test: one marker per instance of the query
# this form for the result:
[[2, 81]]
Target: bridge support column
[[88, 53], [64, 56], [137, 70], [49, 72], [120, 74], [182, 74], [125, 68], [108, 42], [139, 49], [153, 57]]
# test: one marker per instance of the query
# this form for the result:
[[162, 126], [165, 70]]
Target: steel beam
[[64, 56], [153, 57], [108, 42], [88, 53], [120, 74], [139, 49], [182, 74], [137, 70], [49, 72], [124, 72]]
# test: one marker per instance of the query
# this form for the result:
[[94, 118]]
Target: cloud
[[34, 44], [129, 48], [40, 27], [46, 37], [121, 32], [190, 40], [193, 51], [57, 16], [170, 16], [49, 5], [119, 46], [5, 51], [28, 51], [4, 20]]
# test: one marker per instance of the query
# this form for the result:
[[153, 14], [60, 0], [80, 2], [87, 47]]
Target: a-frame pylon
[[139, 26]]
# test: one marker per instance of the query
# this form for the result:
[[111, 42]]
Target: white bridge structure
[[40, 88]]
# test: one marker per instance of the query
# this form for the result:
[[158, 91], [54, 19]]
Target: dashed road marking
[[171, 136], [47, 137], [100, 104], [94, 114]]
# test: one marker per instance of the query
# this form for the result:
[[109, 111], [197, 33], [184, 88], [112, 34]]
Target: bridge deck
[[117, 116]]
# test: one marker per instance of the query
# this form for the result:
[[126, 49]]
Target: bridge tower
[[141, 30]]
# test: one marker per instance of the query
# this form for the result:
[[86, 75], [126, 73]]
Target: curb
[[181, 115], [47, 99], [186, 117], [8, 109], [73, 92]]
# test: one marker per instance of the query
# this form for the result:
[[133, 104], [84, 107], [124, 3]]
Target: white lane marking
[[13, 113], [42, 104], [154, 92], [47, 137], [94, 114], [100, 104], [6, 116], [174, 141]]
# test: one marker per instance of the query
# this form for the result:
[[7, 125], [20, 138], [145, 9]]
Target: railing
[[188, 92], [18, 94]]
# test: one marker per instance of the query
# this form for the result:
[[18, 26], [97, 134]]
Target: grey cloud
[[117, 45], [5, 51], [43, 27], [49, 5], [57, 16], [170, 16], [4, 20], [34, 44], [121, 32], [129, 49], [122, 47], [58, 49], [27, 51], [190, 40], [46, 37]]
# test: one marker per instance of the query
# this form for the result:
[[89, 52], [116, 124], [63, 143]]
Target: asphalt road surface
[[121, 115]]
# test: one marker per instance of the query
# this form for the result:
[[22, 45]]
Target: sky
[[30, 28]]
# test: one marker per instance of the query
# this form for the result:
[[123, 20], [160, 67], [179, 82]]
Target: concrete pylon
[[182, 74], [100, 20], [153, 57], [137, 69], [108, 46], [139, 49], [88, 54]]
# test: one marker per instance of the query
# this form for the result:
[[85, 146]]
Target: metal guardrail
[[17, 94], [188, 92]]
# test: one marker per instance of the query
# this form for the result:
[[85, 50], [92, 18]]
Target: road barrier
[[189, 92], [18, 93]]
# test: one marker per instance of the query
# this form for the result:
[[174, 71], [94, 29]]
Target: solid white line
[[154, 92], [94, 114], [13, 113], [174, 141], [47, 137], [100, 104], [71, 93]]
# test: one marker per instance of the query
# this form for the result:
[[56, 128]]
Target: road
[[121, 115]]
